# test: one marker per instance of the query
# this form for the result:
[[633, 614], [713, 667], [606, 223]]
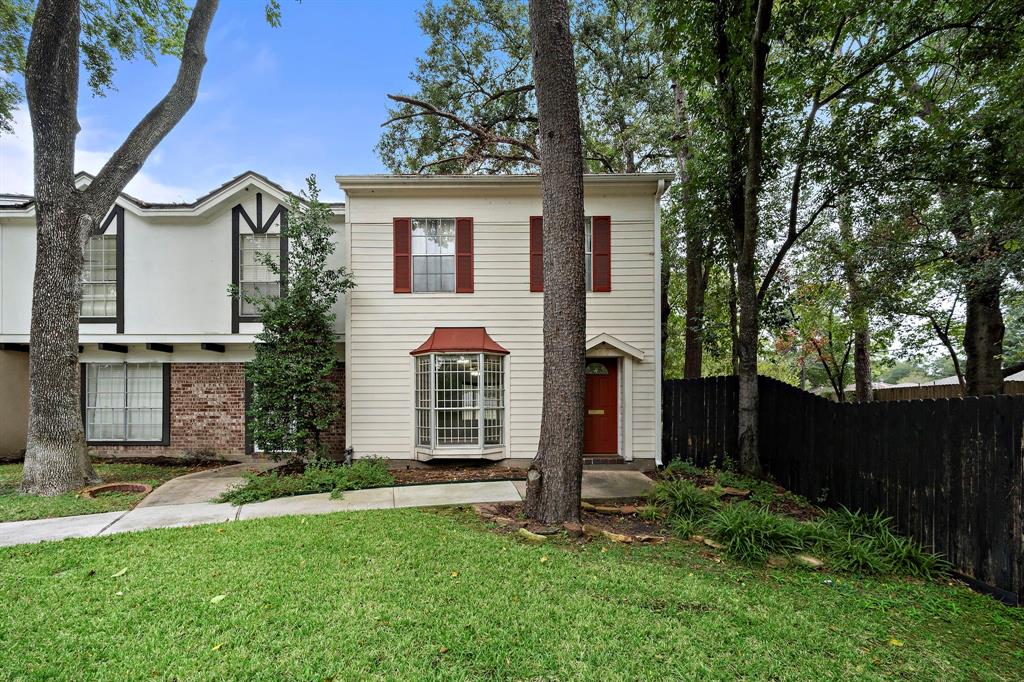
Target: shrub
[[319, 476], [678, 467], [682, 499], [751, 534], [371, 472], [259, 488]]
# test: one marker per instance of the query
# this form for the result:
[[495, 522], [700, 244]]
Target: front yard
[[17, 507], [433, 595]]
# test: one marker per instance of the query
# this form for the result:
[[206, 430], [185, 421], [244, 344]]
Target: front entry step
[[602, 459]]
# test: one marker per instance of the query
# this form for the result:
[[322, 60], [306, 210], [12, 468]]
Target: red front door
[[601, 426]]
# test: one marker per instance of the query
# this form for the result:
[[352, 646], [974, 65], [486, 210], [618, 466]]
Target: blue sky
[[306, 97]]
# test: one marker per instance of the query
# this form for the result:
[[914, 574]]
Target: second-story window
[[255, 278], [433, 254], [99, 277], [588, 250]]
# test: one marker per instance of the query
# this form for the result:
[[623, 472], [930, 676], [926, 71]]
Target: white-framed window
[[588, 250], [255, 278], [99, 277], [433, 254], [460, 400], [124, 402]]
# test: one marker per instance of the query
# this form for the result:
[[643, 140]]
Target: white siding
[[177, 272], [384, 327]]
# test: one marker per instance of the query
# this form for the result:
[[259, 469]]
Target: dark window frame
[[116, 214], [260, 226], [165, 434]]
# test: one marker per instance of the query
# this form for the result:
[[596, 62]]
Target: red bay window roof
[[459, 340]]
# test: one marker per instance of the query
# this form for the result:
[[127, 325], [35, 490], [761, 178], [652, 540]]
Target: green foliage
[[751, 533], [867, 543], [319, 476], [679, 467], [293, 399], [682, 500], [111, 31]]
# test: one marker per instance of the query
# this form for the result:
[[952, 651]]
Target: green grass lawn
[[17, 507], [414, 594]]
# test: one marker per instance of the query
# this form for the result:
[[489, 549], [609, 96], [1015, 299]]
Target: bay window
[[125, 402], [460, 400]]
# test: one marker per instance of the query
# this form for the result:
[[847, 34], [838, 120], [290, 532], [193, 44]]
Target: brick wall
[[208, 414], [334, 437]]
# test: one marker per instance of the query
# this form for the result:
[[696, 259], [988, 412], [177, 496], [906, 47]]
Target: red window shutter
[[464, 255], [602, 247], [403, 255], [536, 253]]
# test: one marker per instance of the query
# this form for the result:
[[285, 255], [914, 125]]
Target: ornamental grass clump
[[683, 500], [751, 533], [867, 544]]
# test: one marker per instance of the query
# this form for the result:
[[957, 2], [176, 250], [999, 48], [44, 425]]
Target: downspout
[[657, 320]]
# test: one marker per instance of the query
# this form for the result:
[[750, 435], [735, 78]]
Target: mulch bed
[[433, 473], [456, 474]]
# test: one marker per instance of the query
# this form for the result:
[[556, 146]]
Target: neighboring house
[[441, 339]]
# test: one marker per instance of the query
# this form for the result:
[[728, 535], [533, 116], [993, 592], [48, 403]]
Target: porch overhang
[[610, 341]]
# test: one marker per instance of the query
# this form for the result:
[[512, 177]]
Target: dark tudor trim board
[[165, 435], [261, 226], [118, 319]]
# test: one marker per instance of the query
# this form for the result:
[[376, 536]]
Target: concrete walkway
[[597, 485]]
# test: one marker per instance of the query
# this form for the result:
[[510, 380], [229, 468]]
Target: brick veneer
[[208, 414]]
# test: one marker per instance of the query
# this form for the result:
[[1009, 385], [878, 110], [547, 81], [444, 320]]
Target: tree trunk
[[696, 275], [858, 309], [983, 340], [750, 461], [984, 329], [56, 458], [555, 476]]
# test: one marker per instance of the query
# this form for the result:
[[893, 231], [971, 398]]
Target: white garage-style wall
[[383, 327]]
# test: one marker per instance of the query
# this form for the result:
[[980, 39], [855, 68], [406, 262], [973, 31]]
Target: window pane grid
[[124, 402], [588, 250], [433, 254], [423, 431], [453, 406], [99, 277], [255, 278]]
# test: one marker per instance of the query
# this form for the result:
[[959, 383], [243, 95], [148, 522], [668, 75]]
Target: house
[[440, 342]]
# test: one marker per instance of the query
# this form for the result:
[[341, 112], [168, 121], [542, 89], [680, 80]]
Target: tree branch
[[791, 238], [161, 119], [484, 135]]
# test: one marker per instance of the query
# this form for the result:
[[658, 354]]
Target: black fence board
[[950, 472]]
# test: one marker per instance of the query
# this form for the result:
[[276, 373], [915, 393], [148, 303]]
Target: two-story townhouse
[[162, 344], [441, 339], [444, 332]]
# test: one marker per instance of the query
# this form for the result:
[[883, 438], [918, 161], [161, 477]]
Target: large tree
[[555, 475], [64, 34]]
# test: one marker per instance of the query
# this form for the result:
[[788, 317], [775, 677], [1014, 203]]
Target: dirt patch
[[510, 518], [120, 488]]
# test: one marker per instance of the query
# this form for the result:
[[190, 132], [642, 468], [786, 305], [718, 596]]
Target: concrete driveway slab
[[354, 500], [462, 493], [25, 532], [173, 516]]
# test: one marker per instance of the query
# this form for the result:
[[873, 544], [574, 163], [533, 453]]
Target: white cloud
[[16, 167]]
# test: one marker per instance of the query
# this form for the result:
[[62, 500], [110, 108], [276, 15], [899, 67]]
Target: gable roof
[[21, 204]]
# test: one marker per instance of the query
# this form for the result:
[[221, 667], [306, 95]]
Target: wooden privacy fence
[[936, 391], [949, 472]]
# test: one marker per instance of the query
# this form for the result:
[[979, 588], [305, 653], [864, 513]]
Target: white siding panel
[[384, 327]]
